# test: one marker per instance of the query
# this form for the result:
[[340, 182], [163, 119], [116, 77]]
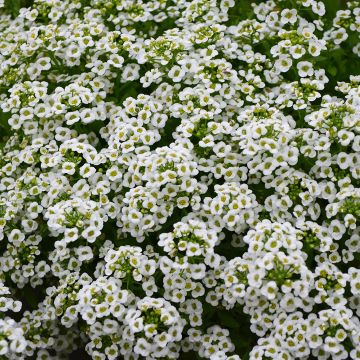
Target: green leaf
[[5, 128], [332, 70], [13, 6], [228, 320]]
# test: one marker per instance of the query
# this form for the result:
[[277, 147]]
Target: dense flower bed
[[179, 179]]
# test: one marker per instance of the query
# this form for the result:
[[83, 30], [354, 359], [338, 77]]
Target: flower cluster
[[179, 179]]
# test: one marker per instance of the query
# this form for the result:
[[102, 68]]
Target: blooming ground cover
[[179, 179]]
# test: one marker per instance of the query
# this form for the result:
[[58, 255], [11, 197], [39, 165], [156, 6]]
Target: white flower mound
[[179, 180]]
